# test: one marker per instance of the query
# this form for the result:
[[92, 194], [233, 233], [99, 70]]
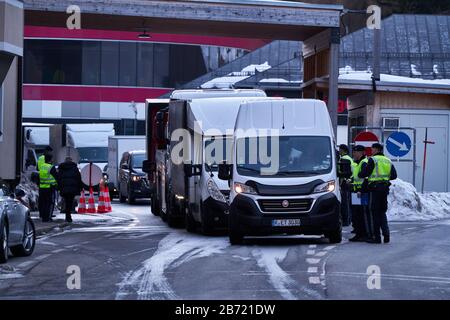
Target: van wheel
[[155, 205], [131, 199], [122, 199], [3, 243], [28, 241], [235, 235], [206, 226], [191, 225], [334, 236], [171, 212]]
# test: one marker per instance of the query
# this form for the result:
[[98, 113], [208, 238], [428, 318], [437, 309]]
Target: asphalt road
[[144, 259]]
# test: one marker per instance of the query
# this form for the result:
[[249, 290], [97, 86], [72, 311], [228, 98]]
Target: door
[[436, 170], [15, 221], [123, 174]]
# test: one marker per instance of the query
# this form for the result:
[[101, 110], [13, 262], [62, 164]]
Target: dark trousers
[[346, 210], [359, 220], [68, 203], [378, 205], [45, 204]]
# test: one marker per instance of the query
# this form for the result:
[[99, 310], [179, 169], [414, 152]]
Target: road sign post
[[426, 142]]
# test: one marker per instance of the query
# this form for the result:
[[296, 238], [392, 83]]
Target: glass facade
[[111, 63]]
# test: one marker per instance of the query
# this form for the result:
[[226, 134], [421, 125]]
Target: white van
[[284, 171]]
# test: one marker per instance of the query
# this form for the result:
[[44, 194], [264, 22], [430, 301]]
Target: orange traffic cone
[[91, 203], [101, 200], [82, 203], [107, 200]]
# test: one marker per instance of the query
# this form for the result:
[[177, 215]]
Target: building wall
[[11, 50]]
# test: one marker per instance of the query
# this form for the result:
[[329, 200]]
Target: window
[[293, 156], [161, 65], [127, 57], [1, 112], [110, 63], [137, 160], [91, 62], [145, 65]]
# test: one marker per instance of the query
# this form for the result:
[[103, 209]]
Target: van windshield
[[138, 160], [93, 154], [216, 151], [294, 156]]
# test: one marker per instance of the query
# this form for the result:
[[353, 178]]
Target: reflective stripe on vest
[[382, 170], [357, 181], [45, 178]]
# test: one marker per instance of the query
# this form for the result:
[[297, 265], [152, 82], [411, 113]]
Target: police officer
[[359, 219], [379, 171], [46, 183], [41, 161], [345, 190]]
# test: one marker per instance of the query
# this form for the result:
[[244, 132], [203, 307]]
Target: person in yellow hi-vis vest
[[359, 197], [41, 161], [379, 172], [46, 188], [346, 211]]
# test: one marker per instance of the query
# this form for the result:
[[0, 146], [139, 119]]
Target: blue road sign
[[398, 144]]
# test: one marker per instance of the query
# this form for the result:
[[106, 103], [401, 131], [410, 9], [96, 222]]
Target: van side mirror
[[148, 166], [225, 171], [191, 170]]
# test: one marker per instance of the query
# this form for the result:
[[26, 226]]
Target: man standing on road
[[359, 207], [345, 190], [70, 185], [46, 181], [379, 171], [41, 161]]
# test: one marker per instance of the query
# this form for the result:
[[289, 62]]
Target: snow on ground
[[407, 204]]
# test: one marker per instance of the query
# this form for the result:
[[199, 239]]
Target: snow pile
[[348, 74], [253, 68], [407, 204]]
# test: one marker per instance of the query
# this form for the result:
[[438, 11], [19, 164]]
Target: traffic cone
[[107, 200], [101, 200], [82, 203], [91, 203]]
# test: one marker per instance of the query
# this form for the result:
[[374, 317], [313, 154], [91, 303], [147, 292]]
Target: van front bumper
[[217, 212], [323, 217]]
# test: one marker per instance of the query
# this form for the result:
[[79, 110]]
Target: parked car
[[133, 182], [17, 232]]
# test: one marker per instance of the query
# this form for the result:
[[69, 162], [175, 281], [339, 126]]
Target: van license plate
[[286, 223]]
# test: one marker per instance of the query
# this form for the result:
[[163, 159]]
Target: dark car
[[17, 232], [133, 182]]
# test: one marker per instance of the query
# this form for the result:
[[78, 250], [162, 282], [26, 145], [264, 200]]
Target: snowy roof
[[277, 3], [416, 46]]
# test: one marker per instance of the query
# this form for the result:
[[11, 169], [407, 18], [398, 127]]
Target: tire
[[206, 225], [335, 236], [191, 225], [28, 242], [234, 233], [131, 199], [172, 212], [155, 206], [122, 199], [3, 243]]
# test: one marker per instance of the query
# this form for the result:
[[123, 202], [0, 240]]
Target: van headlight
[[136, 178], [326, 187], [243, 188], [214, 191]]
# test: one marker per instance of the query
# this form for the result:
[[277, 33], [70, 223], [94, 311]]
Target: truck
[[90, 140], [36, 137], [117, 146], [295, 190], [191, 192], [158, 150]]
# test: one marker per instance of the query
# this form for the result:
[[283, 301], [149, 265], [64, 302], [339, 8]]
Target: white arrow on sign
[[402, 146]]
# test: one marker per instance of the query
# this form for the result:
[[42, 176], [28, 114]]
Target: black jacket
[[69, 179]]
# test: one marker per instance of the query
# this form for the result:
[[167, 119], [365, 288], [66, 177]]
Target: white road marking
[[329, 248], [399, 277], [321, 254], [313, 246], [26, 264], [311, 252], [314, 280], [58, 250], [312, 261], [42, 257], [313, 270]]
